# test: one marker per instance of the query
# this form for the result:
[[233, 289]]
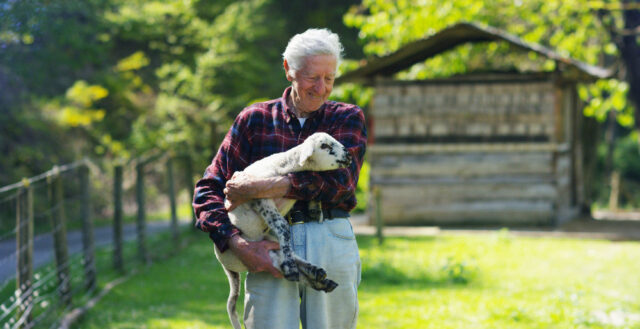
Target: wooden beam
[[380, 149]]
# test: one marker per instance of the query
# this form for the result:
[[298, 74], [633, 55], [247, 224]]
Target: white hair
[[309, 43]]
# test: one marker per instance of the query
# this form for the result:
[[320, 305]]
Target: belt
[[298, 216]]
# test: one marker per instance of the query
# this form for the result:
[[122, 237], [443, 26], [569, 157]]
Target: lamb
[[263, 218]]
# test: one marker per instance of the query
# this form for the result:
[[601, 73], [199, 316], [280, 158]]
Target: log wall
[[499, 111], [497, 152]]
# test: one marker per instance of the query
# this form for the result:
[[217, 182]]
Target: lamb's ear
[[305, 153]]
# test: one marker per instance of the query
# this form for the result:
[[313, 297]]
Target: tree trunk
[[615, 191], [610, 138], [631, 56]]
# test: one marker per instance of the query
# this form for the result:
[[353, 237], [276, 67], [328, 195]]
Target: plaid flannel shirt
[[270, 127]]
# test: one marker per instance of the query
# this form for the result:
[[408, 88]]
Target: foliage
[[626, 157], [195, 105], [411, 283], [568, 26], [571, 27], [362, 190], [45, 47], [169, 74], [49, 45], [608, 95]]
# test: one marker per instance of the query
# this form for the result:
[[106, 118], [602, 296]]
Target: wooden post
[[117, 219], [24, 248], [141, 221], [60, 246], [87, 230], [190, 186], [172, 201], [379, 224], [614, 196], [560, 133]]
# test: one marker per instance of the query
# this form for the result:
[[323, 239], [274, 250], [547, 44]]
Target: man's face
[[313, 83]]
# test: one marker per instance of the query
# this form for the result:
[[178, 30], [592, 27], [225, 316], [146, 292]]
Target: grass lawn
[[449, 281]]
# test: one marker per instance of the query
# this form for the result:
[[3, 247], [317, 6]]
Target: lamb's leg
[[311, 275], [280, 227], [314, 276], [234, 285]]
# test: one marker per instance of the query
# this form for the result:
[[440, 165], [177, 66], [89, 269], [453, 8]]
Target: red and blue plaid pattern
[[270, 127]]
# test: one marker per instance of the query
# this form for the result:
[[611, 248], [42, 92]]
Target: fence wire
[[57, 235]]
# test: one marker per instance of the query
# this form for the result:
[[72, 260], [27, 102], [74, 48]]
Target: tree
[[569, 26], [631, 54], [116, 78], [626, 39], [44, 48]]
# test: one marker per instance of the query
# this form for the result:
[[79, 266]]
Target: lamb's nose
[[348, 157]]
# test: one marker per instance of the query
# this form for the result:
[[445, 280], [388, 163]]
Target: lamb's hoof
[[330, 286], [325, 285]]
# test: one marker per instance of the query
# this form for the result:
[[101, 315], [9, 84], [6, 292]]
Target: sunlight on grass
[[510, 283], [480, 281]]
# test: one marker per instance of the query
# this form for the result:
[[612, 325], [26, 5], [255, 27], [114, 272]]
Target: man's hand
[[244, 187], [240, 189], [255, 255]]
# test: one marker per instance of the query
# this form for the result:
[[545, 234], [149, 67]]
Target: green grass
[[472, 281]]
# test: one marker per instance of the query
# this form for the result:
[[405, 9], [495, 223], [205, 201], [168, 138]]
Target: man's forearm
[[242, 188], [274, 187]]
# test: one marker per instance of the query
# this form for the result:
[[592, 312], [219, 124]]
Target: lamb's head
[[321, 152]]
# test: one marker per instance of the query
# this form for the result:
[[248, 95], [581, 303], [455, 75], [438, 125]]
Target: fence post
[[141, 221], [87, 229], [190, 186], [172, 201], [24, 248], [117, 218], [379, 224], [56, 203]]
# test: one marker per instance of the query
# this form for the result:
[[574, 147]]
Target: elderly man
[[310, 63]]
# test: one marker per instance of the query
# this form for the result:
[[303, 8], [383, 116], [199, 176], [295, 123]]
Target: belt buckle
[[290, 218]]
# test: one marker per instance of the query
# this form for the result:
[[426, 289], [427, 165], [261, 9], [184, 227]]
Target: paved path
[[43, 246]]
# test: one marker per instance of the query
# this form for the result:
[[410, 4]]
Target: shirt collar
[[288, 111]]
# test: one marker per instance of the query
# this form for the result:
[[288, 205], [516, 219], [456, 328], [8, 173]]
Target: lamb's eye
[[325, 146]]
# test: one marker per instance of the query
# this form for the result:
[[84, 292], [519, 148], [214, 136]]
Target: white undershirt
[[302, 120]]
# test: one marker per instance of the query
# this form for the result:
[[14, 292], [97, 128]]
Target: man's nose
[[319, 86]]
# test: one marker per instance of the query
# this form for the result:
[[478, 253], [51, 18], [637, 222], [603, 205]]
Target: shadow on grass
[[454, 275], [384, 271], [369, 242]]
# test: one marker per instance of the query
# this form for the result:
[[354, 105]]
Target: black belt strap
[[297, 216]]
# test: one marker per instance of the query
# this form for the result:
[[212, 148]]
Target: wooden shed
[[499, 148]]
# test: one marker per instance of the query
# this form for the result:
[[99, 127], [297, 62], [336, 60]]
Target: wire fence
[[67, 232]]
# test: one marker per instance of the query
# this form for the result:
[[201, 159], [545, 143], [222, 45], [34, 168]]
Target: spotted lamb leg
[[280, 227], [314, 276]]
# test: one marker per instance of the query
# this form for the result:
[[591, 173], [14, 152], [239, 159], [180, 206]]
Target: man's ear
[[305, 153], [286, 70]]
